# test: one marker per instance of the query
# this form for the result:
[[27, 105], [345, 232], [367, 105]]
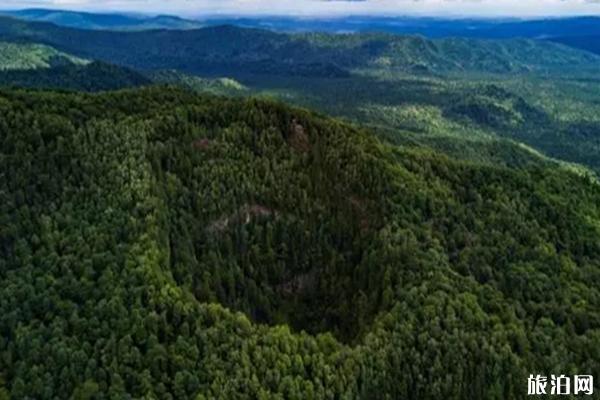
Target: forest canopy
[[162, 244]]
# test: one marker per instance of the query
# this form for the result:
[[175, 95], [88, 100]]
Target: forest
[[233, 213], [162, 244]]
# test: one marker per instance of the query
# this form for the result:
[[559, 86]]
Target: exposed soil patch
[[359, 206], [244, 215], [201, 144], [298, 138]]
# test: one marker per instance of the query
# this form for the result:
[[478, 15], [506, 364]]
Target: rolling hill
[[41, 66], [232, 51], [19, 56], [160, 244]]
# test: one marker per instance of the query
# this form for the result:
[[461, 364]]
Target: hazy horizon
[[326, 8]]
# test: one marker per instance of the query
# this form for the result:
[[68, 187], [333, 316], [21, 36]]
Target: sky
[[482, 8]]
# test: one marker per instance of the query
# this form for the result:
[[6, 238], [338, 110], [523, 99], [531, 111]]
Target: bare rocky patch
[[244, 215], [298, 138]]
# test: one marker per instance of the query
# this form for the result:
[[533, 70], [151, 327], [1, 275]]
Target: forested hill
[[93, 77], [588, 42], [22, 56], [158, 244], [229, 50]]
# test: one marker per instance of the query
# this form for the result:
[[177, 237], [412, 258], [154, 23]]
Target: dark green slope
[[231, 50], [130, 220], [92, 77], [217, 50]]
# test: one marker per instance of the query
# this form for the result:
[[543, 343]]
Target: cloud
[[328, 7]]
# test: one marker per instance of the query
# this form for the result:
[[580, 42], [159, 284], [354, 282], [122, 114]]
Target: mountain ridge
[[232, 50], [433, 27], [103, 21]]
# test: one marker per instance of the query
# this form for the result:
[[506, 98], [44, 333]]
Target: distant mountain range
[[235, 51], [579, 32], [84, 20], [426, 26]]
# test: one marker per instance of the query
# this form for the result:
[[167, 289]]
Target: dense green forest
[[162, 244], [92, 77], [170, 229], [219, 86]]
